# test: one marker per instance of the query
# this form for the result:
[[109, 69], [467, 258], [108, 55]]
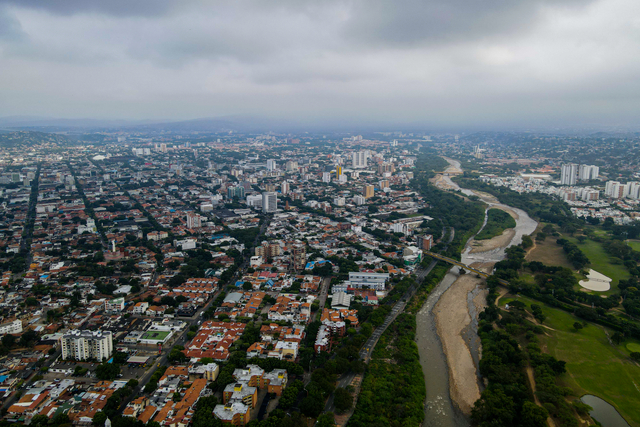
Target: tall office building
[[284, 187], [368, 191], [569, 174], [193, 220], [269, 202], [84, 345], [271, 165], [359, 159]]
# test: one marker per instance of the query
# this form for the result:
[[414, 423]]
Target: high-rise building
[[634, 190], [291, 166], [338, 171], [587, 172], [425, 242], [384, 168], [193, 220], [84, 345], [237, 191], [299, 257], [359, 200], [368, 191], [326, 177], [163, 148], [384, 184], [284, 187], [359, 159], [271, 165], [569, 174], [269, 202]]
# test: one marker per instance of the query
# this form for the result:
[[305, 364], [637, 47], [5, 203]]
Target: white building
[[84, 345], [587, 172], [375, 281], [271, 165], [254, 201], [326, 176], [359, 200], [115, 305], [89, 228], [359, 159], [140, 307], [569, 174], [339, 201], [284, 188], [269, 202], [14, 327]]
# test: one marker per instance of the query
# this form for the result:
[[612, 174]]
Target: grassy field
[[601, 262], [497, 221], [635, 244], [549, 253], [633, 347], [594, 365]]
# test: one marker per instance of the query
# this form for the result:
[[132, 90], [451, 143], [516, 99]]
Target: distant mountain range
[[223, 124]]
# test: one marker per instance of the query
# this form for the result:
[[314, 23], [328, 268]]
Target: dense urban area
[[178, 278]]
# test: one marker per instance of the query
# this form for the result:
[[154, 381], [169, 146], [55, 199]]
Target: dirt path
[[532, 382]]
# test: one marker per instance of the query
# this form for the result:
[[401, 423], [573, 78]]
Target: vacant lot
[[594, 365]]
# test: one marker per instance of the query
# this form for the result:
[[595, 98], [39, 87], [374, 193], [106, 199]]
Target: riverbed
[[447, 336]]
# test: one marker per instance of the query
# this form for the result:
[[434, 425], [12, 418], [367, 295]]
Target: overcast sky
[[437, 62]]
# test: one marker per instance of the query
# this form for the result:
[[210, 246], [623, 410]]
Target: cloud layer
[[433, 62]]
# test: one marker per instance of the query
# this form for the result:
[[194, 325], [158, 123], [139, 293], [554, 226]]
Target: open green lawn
[[594, 366], [635, 244], [601, 262], [633, 347]]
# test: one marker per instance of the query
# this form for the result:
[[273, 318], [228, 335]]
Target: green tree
[[342, 399], [99, 418], [107, 371], [533, 415]]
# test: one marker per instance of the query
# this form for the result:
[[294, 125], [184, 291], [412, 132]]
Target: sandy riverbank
[[500, 241], [452, 318]]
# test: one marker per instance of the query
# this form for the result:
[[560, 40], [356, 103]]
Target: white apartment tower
[[269, 202], [569, 174], [271, 165], [84, 345], [284, 187], [587, 172], [359, 159]]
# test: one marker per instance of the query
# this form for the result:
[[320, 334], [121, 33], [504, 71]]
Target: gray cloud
[[111, 7], [435, 61], [414, 22]]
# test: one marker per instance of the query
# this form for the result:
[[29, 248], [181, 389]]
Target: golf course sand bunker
[[596, 282]]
